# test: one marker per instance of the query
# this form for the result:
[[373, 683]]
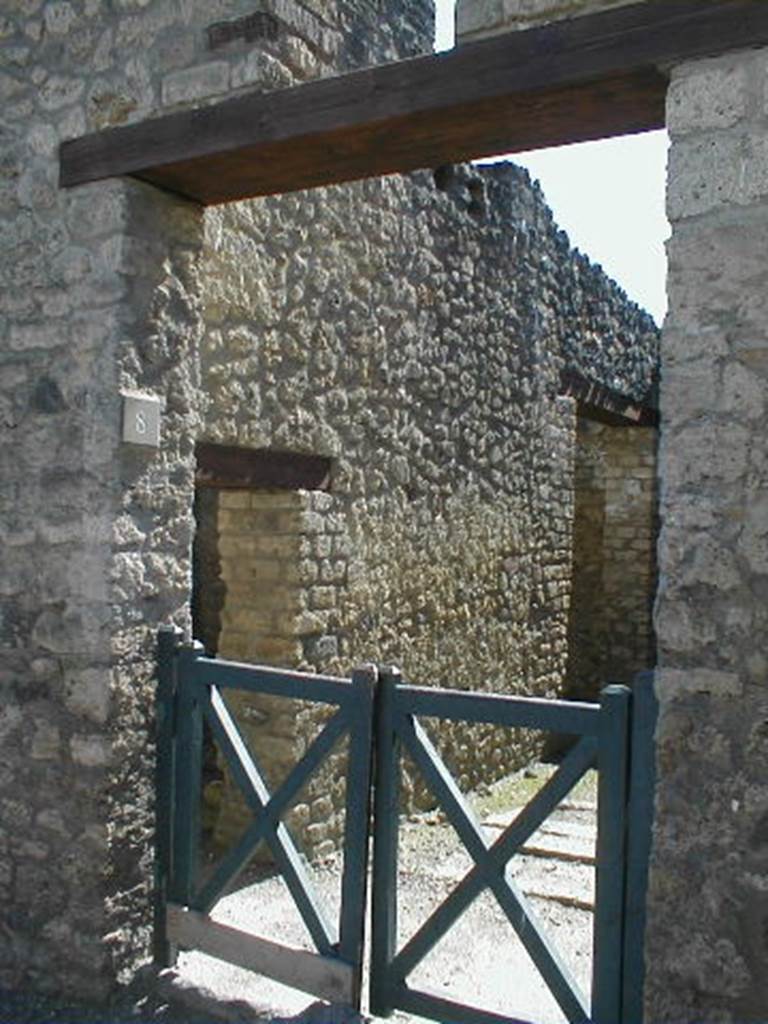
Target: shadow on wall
[[610, 628]]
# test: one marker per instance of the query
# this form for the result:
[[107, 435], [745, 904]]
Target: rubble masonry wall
[[376, 324]]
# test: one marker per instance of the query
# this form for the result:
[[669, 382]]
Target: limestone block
[[323, 649], [478, 18], [46, 742], [711, 172], [323, 546], [235, 499], [10, 721], [59, 91], [671, 684], [91, 751], [245, 619], [707, 95], [86, 694], [196, 83], [688, 389], [274, 651], [714, 452], [259, 68], [753, 542], [59, 16], [744, 393], [53, 821], [683, 628], [322, 597]]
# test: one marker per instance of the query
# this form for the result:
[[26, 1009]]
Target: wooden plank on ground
[[582, 78], [332, 980]]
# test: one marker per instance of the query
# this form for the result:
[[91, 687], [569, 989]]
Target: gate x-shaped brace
[[268, 810], [491, 862], [190, 691]]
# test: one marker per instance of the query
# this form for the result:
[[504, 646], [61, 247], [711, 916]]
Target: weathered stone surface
[[709, 96], [364, 323], [478, 18], [708, 907]]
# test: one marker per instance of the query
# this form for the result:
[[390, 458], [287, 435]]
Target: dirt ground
[[480, 961]]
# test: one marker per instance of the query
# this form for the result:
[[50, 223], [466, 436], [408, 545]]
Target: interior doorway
[[616, 524]]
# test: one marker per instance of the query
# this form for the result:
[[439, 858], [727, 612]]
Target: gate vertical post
[[385, 842], [168, 640], [189, 760], [610, 874], [357, 823], [642, 779]]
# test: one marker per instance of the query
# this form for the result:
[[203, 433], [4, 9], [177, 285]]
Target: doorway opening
[[257, 514]]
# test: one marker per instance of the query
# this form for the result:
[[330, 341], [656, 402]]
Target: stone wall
[[413, 330], [610, 630], [94, 535], [708, 940], [98, 293], [476, 19], [363, 323]]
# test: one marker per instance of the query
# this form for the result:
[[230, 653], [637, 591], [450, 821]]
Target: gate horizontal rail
[[574, 717], [276, 682]]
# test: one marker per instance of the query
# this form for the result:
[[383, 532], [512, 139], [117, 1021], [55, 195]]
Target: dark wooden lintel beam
[[227, 467], [582, 78], [598, 402]]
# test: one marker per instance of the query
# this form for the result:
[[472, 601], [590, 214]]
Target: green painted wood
[[575, 764], [610, 869], [357, 825], [168, 640], [198, 698], [642, 780], [188, 777], [385, 842], [277, 682], [249, 778], [494, 876], [570, 717], [267, 819], [605, 736]]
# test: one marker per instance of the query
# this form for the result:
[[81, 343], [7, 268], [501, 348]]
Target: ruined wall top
[[93, 65], [476, 19]]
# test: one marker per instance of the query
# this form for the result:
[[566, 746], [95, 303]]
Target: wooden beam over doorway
[[227, 467], [582, 78], [601, 403]]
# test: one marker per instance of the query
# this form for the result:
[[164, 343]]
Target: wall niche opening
[[256, 512]]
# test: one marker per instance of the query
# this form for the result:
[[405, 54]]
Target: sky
[[608, 196]]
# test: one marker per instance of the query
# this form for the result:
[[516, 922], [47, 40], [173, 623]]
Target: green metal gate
[[381, 716]]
